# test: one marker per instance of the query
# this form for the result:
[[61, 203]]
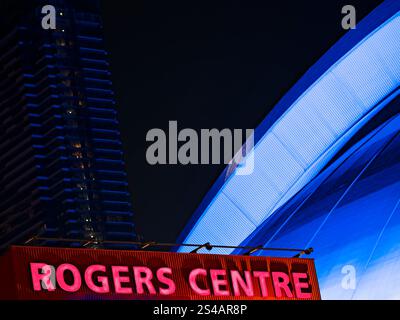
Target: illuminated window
[[82, 186], [77, 154], [79, 165], [61, 42]]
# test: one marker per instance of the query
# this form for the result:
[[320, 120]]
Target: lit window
[[81, 186], [77, 154], [61, 42]]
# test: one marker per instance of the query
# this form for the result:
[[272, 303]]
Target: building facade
[[325, 169], [62, 173]]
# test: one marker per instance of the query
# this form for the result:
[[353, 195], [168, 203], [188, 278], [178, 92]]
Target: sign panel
[[66, 273]]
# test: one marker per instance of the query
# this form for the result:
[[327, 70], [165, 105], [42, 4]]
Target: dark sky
[[216, 64]]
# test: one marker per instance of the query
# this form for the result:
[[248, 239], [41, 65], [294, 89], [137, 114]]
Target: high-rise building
[[62, 173]]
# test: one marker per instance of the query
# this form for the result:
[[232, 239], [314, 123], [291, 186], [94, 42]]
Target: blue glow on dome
[[292, 150]]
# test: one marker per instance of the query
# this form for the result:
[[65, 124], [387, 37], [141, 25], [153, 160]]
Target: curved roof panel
[[351, 83]]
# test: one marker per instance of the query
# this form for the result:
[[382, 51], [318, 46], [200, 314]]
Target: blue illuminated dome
[[350, 214], [325, 168]]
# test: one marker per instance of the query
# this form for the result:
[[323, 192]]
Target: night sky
[[219, 64]]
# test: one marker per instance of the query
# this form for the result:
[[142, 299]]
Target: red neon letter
[[262, 280], [41, 274], [238, 282], [118, 279], [192, 281], [105, 287], [217, 283], [167, 281], [279, 285], [298, 286], [76, 276], [146, 280]]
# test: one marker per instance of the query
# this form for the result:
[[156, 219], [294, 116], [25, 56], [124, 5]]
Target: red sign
[[60, 273]]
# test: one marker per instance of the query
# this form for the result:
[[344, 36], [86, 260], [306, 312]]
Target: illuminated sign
[[59, 273]]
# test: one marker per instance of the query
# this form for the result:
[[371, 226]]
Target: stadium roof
[[354, 80]]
